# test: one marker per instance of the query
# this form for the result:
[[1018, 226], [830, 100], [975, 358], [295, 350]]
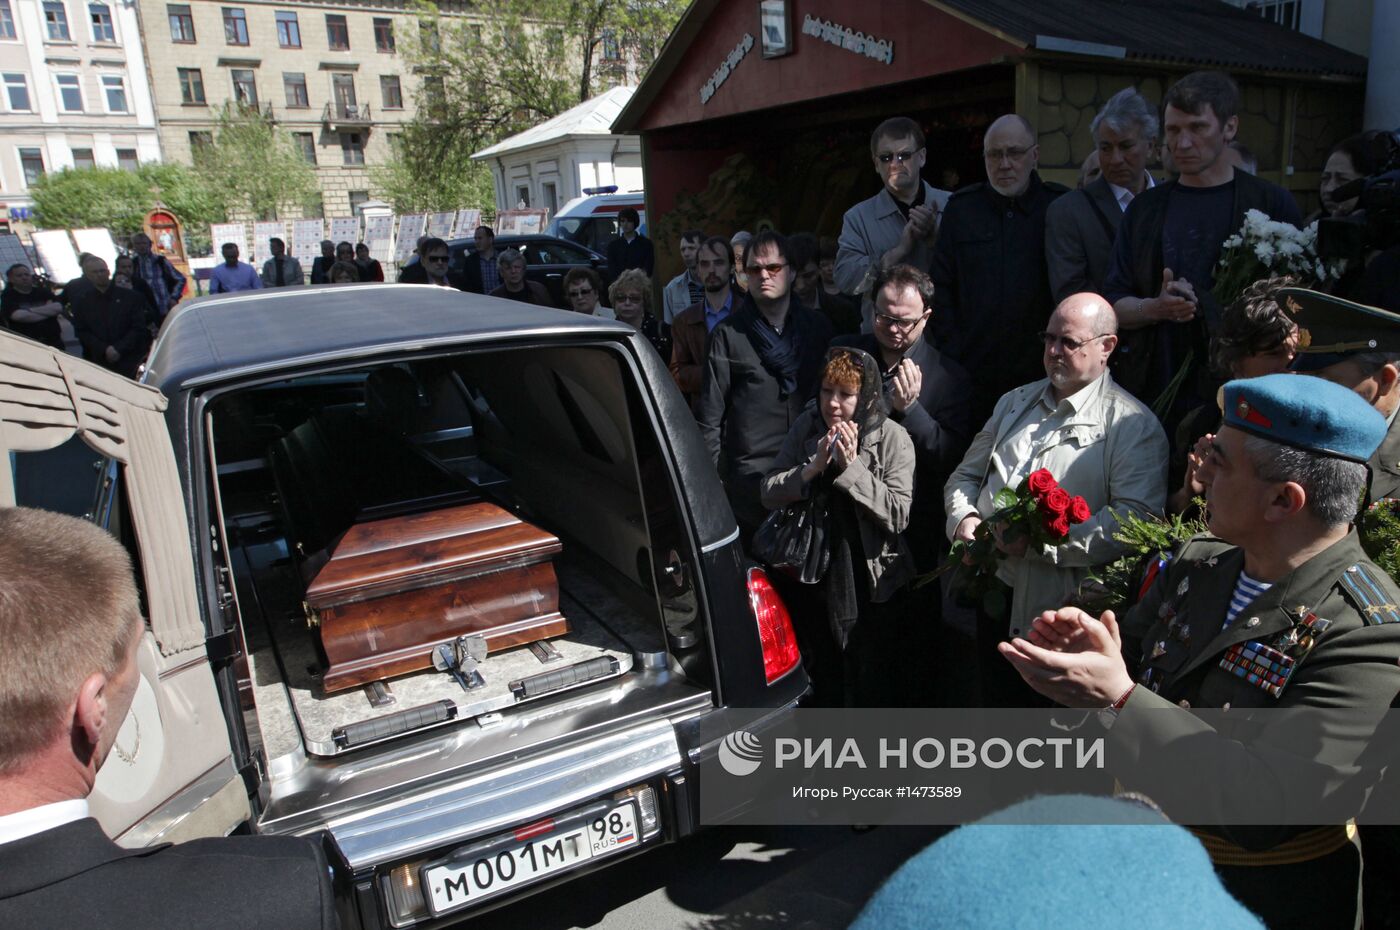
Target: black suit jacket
[[74, 876], [1079, 232], [941, 426], [116, 318], [321, 270]]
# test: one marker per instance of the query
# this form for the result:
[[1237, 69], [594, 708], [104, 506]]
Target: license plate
[[492, 868]]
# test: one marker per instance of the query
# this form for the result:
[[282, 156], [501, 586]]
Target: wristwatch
[[1109, 715]]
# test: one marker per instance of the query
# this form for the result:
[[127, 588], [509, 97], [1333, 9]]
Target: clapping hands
[[1072, 658]]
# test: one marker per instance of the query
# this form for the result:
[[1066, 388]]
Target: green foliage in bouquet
[[1147, 538], [1380, 535]]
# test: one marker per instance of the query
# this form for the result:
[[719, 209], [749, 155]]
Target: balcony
[[339, 116]]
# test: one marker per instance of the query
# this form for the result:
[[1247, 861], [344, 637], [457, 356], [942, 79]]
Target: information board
[[57, 255], [525, 222], [467, 222], [410, 228], [98, 242], [306, 239], [13, 252], [379, 236], [440, 224], [261, 233], [237, 233], [345, 229]]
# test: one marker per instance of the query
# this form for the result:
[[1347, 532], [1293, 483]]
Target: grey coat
[[880, 482], [869, 230], [1079, 232]]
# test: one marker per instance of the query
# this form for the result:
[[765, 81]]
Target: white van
[[591, 220]]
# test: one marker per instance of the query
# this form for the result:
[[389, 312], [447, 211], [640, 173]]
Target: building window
[[429, 36], [343, 93], [294, 83], [181, 22], [70, 95], [384, 36], [611, 50], [17, 93], [306, 144], [245, 88], [358, 199], [191, 85], [82, 158], [394, 140], [127, 160], [114, 89], [288, 32], [201, 140], [1287, 13], [7, 20], [100, 15], [31, 162], [56, 21], [235, 26], [551, 197], [393, 93], [352, 146], [337, 32]]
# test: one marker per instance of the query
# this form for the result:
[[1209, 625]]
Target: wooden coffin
[[396, 588]]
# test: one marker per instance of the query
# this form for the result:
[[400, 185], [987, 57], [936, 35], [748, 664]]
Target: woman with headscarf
[[844, 448]]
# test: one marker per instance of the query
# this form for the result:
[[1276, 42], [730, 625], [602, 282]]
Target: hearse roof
[[217, 337]]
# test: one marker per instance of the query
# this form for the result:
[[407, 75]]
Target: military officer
[[1357, 347], [1278, 608]]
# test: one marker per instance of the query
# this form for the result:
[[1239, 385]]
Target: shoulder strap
[[1367, 592]]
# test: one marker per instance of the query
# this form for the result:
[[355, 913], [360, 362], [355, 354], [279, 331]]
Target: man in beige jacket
[[1095, 438]]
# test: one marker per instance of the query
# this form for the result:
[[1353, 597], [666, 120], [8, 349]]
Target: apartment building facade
[[330, 74], [75, 93]]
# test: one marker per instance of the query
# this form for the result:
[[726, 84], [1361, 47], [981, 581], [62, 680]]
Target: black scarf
[[779, 353]]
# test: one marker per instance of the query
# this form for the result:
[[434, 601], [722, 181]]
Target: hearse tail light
[[645, 796], [775, 633]]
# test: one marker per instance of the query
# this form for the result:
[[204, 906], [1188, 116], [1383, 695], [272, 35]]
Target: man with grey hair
[[514, 284], [70, 619], [1098, 442], [992, 294], [1277, 609], [1080, 227]]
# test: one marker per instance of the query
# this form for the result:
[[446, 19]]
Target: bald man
[[1095, 438], [992, 292]]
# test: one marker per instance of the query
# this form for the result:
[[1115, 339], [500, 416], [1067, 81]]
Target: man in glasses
[[929, 394], [992, 293], [898, 224], [434, 254], [764, 363], [1096, 440]]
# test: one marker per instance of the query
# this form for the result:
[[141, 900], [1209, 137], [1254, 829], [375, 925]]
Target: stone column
[[1383, 74]]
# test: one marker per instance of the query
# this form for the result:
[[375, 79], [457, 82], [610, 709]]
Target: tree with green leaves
[[257, 166], [500, 70], [118, 200]]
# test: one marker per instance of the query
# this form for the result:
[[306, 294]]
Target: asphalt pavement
[[732, 878]]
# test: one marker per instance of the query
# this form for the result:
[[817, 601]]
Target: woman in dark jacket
[[845, 448]]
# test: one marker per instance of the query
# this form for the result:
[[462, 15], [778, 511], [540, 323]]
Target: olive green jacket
[[1174, 644], [1385, 465]]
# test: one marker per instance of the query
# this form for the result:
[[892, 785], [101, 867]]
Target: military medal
[[1159, 649], [1262, 666]]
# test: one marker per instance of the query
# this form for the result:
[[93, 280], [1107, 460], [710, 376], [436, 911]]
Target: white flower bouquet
[[1264, 248]]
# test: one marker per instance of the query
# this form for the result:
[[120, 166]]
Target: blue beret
[[1091, 863], [1306, 413], [1332, 330]]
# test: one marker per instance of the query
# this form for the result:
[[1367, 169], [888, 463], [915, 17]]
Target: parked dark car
[[547, 260]]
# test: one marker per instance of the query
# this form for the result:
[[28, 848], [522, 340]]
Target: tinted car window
[[555, 253]]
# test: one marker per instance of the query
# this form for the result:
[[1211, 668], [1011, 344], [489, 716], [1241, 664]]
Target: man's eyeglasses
[[583, 292], [435, 258], [897, 157], [771, 269], [1067, 345], [1015, 153], [895, 323]]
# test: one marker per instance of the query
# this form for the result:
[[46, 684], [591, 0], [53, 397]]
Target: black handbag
[[795, 539]]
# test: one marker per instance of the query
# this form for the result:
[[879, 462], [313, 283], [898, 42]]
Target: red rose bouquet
[[1038, 510]]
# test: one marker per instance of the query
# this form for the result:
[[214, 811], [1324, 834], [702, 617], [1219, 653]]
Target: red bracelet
[[1119, 704]]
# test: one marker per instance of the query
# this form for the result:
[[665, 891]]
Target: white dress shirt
[[36, 820], [1125, 196]]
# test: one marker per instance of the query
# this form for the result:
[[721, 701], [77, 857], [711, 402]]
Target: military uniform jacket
[[1385, 465], [1323, 637]]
